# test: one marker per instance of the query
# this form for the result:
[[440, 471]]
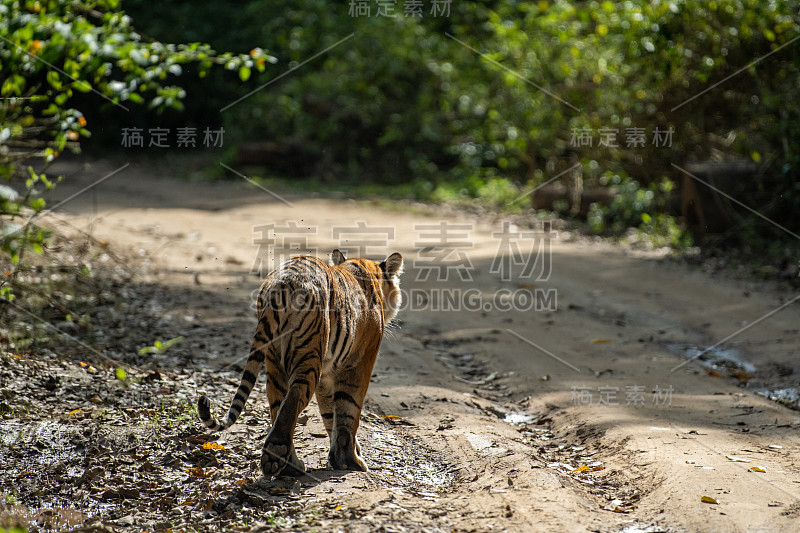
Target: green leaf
[[121, 373], [54, 80], [83, 86], [167, 345]]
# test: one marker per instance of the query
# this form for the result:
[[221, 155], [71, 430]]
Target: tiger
[[319, 330]]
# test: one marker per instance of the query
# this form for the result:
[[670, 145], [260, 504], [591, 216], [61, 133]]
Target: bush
[[402, 101], [642, 208], [50, 53]]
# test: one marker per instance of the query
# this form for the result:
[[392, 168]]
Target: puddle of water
[[789, 397], [732, 359], [713, 357], [519, 418], [51, 518]]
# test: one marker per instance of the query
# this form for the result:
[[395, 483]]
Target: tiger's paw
[[345, 454], [279, 459]]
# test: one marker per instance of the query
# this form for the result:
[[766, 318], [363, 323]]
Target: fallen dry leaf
[[197, 472], [709, 499], [757, 469]]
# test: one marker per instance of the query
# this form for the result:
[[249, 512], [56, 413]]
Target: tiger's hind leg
[[349, 390], [288, 396], [279, 455]]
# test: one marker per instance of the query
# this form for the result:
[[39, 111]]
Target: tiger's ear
[[393, 266], [337, 257]]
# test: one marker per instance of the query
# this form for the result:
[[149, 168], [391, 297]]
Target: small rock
[[126, 521]]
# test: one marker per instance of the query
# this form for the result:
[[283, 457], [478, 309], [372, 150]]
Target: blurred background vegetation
[[483, 102]]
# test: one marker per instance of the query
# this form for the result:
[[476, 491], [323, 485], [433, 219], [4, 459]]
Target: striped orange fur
[[319, 330]]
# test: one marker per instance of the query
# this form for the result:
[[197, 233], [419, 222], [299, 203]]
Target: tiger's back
[[319, 330]]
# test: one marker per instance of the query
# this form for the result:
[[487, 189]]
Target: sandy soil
[[577, 416]]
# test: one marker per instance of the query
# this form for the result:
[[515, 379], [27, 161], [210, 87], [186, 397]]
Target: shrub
[[51, 51]]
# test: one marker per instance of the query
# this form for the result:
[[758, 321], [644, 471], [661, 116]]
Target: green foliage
[[403, 101], [370, 106], [51, 53], [638, 207], [480, 103], [17, 237], [159, 347]]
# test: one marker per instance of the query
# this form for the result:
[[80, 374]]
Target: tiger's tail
[[248, 381]]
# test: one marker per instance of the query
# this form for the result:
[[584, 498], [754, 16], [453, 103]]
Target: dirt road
[[513, 395]]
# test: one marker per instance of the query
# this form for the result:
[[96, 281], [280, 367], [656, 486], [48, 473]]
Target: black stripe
[[313, 323], [249, 376], [300, 381], [343, 415], [256, 356], [358, 267], [285, 357], [236, 409], [344, 327], [327, 416], [274, 358], [341, 395], [275, 405], [241, 398], [304, 344], [309, 370], [204, 409], [277, 387], [340, 353], [275, 318], [337, 331]]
